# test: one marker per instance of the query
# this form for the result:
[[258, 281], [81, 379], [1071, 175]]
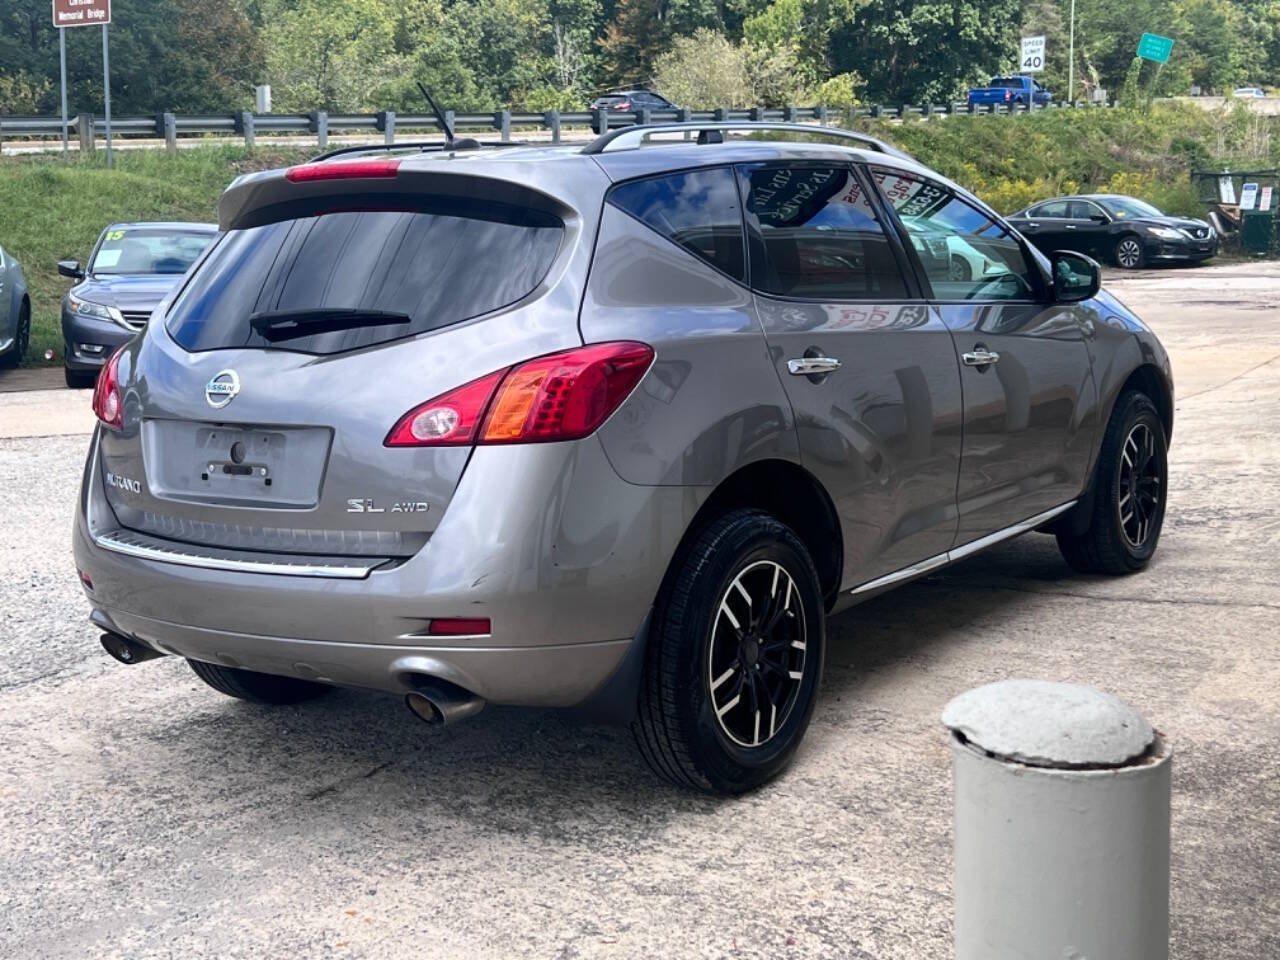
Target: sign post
[[1071, 58], [62, 56], [106, 90], [1032, 59], [84, 13]]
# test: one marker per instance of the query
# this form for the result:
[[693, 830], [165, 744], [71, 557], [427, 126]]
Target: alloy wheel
[[1129, 253], [757, 655], [1140, 485]]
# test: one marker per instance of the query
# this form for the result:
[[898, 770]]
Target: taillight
[[450, 420], [562, 396], [625, 105], [342, 170], [108, 401], [1008, 94]]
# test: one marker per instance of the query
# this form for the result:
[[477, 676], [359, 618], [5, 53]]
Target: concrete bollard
[[1061, 825]]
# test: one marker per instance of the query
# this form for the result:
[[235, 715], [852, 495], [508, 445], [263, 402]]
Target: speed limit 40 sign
[[1032, 60]]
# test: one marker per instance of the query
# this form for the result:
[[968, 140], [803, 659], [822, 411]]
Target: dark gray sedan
[[15, 311], [132, 268]]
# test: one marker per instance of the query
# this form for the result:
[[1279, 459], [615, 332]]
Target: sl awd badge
[[222, 389], [366, 505]]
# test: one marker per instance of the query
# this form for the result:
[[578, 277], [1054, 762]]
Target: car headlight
[[99, 311], [1165, 233]]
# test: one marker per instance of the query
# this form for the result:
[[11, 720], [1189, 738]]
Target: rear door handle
[[1071, 226], [980, 357], [808, 366]]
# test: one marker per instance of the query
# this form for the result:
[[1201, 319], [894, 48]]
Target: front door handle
[[980, 357], [808, 366], [1070, 226]]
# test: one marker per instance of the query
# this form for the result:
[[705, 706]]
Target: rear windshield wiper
[[286, 324]]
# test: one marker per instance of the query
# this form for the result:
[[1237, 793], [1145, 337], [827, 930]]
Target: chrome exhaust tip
[[437, 701], [127, 651]]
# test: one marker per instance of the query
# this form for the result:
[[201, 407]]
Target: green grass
[[53, 209]]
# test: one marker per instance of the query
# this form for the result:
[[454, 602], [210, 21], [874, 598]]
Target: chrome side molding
[[962, 551]]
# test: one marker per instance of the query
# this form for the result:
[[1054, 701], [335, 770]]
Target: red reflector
[[108, 402], [562, 396], [459, 627], [85, 578], [342, 170]]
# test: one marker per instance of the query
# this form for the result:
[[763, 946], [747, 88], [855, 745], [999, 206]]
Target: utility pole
[[1071, 58]]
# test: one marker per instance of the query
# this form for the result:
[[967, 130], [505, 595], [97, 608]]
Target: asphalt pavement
[[144, 815]]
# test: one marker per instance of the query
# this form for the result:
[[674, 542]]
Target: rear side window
[[815, 236], [1053, 209], [437, 264], [698, 210]]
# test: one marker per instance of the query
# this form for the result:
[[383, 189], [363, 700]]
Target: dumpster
[[1258, 232]]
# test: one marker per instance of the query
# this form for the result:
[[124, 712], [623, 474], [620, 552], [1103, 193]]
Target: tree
[[702, 71], [925, 49], [329, 56]]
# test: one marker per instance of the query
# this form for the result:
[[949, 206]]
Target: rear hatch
[[256, 412]]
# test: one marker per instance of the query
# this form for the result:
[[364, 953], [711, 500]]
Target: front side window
[[339, 281], [144, 250], [814, 235], [966, 254], [697, 209], [1083, 210]]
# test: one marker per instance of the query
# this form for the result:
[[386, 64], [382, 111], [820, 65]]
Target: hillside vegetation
[[52, 209]]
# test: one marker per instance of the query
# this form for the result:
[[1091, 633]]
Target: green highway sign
[[1152, 46]]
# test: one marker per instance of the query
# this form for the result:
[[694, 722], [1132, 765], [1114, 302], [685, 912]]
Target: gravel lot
[[146, 816]]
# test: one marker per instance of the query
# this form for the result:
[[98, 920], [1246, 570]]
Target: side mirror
[[1075, 276], [71, 268], [1099, 218]]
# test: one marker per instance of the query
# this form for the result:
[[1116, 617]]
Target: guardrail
[[86, 128]]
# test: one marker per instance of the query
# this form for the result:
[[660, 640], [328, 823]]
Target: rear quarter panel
[[712, 402]]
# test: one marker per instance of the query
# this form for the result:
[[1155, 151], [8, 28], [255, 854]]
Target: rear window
[[437, 264]]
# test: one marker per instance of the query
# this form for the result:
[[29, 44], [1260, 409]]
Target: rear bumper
[[562, 555]]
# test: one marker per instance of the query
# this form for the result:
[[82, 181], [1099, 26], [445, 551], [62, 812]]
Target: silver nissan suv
[[613, 425]]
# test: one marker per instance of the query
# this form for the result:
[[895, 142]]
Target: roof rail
[[422, 146], [630, 137]]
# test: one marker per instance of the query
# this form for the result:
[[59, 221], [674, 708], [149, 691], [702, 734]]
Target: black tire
[[257, 687], [22, 341], [677, 728], [1128, 253], [960, 271], [1109, 545], [79, 379]]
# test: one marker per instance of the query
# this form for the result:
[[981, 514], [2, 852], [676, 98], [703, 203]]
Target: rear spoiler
[[351, 183]]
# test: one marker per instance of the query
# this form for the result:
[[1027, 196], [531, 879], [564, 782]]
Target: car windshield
[[1122, 207], [140, 250]]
